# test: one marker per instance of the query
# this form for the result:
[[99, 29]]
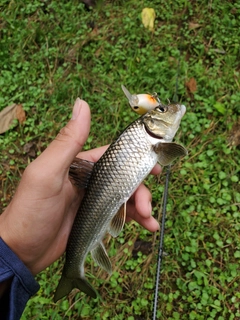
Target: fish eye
[[162, 108], [135, 107]]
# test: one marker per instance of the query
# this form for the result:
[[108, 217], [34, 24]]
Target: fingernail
[[76, 109]]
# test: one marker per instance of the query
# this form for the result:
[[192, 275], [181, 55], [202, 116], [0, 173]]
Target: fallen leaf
[[9, 114], [234, 135], [148, 18], [89, 3], [20, 113], [192, 25], [191, 85], [144, 246], [29, 148]]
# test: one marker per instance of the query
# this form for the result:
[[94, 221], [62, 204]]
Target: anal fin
[[100, 256], [118, 221], [80, 172], [169, 151]]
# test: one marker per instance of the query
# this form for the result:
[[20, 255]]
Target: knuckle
[[65, 133]]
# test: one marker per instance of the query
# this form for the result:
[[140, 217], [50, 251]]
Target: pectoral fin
[[167, 152], [100, 256], [80, 172], [118, 221]]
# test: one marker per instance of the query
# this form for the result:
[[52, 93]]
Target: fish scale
[[106, 193], [114, 178]]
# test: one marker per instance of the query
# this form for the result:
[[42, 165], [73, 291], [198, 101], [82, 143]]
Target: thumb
[[70, 140]]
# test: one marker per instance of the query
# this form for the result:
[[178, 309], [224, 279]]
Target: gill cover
[[161, 125], [163, 122]]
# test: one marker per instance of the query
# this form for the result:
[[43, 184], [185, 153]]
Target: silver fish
[[113, 179]]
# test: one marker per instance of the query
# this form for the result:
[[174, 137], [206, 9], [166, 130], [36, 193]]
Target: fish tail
[[66, 285]]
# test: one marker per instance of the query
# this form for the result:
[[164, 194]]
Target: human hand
[[37, 222]]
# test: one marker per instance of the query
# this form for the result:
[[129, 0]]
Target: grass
[[52, 52]]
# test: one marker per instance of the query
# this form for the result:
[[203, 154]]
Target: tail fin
[[66, 285]]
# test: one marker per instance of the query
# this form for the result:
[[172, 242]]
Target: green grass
[[54, 51]]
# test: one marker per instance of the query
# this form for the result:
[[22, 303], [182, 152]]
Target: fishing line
[[165, 198]]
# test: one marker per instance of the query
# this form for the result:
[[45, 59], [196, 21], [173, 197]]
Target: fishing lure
[[143, 102]]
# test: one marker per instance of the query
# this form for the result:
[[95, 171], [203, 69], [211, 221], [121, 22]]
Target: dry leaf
[[192, 25], [29, 148], [191, 85], [10, 113], [20, 113], [148, 18], [143, 246], [234, 135]]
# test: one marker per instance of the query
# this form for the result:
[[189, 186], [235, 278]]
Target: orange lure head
[[143, 102]]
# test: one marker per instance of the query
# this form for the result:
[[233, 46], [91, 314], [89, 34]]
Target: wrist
[[13, 241]]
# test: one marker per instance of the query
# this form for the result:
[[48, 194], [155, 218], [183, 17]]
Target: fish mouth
[[153, 135]]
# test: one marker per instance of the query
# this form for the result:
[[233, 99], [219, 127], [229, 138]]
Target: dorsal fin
[[80, 172]]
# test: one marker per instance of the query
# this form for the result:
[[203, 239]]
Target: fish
[[109, 184], [143, 102]]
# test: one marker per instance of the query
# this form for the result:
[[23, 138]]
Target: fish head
[[163, 121]]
